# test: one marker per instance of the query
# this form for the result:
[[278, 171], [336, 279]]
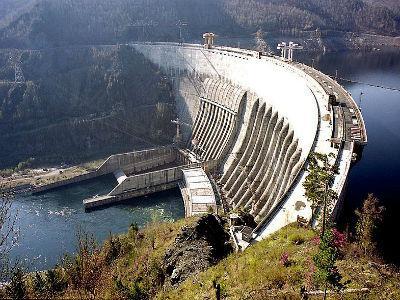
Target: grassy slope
[[140, 262], [258, 274]]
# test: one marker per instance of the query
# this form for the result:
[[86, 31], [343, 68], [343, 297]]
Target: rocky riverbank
[[25, 180]]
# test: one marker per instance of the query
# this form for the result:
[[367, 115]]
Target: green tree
[[329, 251], [318, 183], [39, 284], [369, 218], [55, 281]]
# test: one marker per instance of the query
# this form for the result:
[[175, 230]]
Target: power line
[[366, 83], [127, 133]]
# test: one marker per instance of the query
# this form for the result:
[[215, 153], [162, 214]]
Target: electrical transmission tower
[[181, 24], [144, 25], [288, 49], [15, 60]]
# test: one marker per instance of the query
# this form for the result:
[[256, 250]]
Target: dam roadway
[[254, 119]]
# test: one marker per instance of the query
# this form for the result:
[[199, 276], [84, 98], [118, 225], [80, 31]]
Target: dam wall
[[148, 180], [260, 117], [138, 161], [271, 80], [128, 163]]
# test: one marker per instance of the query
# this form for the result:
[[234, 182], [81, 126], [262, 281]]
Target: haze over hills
[[52, 90], [49, 90], [11, 9], [72, 22]]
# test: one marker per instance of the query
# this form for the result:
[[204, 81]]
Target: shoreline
[[323, 42], [28, 179]]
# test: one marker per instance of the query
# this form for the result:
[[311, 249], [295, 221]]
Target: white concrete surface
[[199, 191], [285, 116]]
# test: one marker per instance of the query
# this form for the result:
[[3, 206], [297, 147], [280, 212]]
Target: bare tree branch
[[9, 231]]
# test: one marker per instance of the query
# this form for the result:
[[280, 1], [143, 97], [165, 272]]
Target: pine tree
[[369, 218], [329, 251], [318, 183]]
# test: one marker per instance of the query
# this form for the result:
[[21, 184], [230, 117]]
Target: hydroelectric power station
[[252, 119]]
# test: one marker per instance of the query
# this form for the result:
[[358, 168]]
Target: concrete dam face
[[259, 117], [250, 119], [256, 145]]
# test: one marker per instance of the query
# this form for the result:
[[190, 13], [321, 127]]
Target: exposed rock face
[[196, 248]]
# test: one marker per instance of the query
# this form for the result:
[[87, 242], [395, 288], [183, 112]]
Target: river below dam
[[49, 222]]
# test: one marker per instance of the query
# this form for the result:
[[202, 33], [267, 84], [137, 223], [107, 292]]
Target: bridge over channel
[[253, 121]]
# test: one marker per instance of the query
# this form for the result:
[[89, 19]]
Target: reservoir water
[[378, 172], [49, 222]]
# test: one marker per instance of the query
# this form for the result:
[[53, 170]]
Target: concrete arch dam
[[259, 117], [252, 118]]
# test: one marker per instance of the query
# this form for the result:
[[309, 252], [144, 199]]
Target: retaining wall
[[138, 161], [148, 180], [131, 162]]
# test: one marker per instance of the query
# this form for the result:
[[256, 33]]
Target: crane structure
[[287, 49], [178, 135]]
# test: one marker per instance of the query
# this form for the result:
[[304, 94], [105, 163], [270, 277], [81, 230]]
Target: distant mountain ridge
[[74, 22]]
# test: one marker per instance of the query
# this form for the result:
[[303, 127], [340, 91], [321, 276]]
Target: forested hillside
[[66, 22], [343, 15], [10, 9], [61, 107], [77, 103]]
